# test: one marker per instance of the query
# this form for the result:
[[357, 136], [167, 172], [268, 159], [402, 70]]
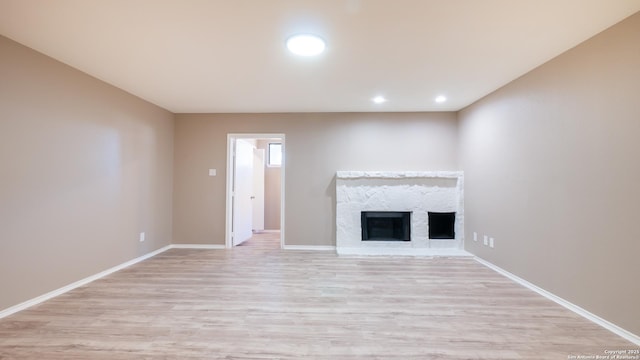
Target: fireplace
[[387, 213], [386, 225], [442, 225]]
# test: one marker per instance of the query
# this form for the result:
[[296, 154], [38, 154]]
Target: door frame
[[231, 139]]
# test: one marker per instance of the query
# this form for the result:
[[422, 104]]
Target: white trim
[[575, 308], [398, 174], [51, 294], [197, 246], [282, 189], [386, 251], [268, 232], [228, 243], [310, 247]]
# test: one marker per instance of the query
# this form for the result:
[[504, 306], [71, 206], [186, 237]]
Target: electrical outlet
[[490, 242], [486, 240], [142, 236], [475, 236], [212, 172]]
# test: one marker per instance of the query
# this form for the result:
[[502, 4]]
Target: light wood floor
[[259, 302]]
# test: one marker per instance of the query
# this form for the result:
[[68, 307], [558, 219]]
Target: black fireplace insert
[[386, 225], [442, 225]]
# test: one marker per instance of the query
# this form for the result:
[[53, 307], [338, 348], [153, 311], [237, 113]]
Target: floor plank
[[257, 301]]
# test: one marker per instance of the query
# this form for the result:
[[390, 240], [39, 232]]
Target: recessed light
[[379, 99], [306, 45], [441, 99]]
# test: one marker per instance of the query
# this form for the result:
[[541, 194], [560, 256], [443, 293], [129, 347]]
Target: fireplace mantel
[[418, 192], [399, 175]]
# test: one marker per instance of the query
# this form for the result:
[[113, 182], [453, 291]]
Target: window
[[275, 154]]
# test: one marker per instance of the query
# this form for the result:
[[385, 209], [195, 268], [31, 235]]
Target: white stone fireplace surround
[[415, 191]]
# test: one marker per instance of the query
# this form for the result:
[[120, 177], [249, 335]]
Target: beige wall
[[317, 145], [84, 167], [552, 172], [272, 190], [550, 166]]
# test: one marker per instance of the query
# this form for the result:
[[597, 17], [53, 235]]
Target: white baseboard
[[310, 247], [51, 294], [575, 308], [196, 246]]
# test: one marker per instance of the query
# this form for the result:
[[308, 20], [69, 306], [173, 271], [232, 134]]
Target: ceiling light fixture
[[441, 99], [306, 45], [379, 99]]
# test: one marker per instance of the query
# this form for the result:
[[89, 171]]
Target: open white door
[[258, 190], [243, 190]]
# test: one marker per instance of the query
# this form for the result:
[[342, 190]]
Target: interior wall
[[552, 172], [317, 145], [272, 190], [84, 168]]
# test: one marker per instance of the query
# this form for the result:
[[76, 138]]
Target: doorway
[[255, 187]]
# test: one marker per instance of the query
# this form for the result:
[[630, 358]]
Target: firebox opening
[[386, 225], [441, 225]]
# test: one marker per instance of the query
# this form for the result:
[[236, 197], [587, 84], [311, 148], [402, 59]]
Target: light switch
[[212, 172]]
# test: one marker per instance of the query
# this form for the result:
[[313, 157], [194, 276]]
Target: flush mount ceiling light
[[441, 99], [306, 45], [379, 99]]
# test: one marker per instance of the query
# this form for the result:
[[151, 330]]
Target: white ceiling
[[229, 55]]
